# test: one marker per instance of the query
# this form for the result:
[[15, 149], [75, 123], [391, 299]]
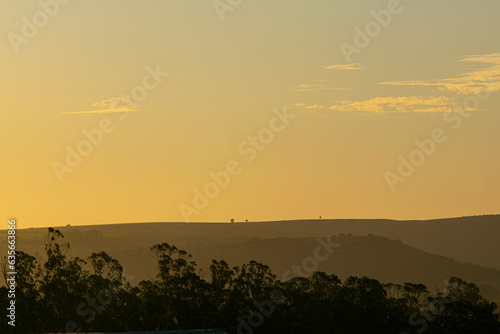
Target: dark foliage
[[63, 294]]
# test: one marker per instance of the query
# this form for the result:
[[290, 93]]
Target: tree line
[[63, 294]]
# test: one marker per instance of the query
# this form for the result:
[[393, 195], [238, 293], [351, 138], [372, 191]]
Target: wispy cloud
[[354, 66], [396, 104], [479, 81], [112, 105], [100, 111], [315, 106], [314, 87]]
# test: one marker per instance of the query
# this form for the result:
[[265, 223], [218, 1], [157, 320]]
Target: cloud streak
[[315, 106], [479, 81], [314, 87], [396, 104], [351, 67], [485, 77], [109, 106]]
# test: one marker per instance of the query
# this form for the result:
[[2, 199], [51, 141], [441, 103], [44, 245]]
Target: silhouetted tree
[[56, 290]]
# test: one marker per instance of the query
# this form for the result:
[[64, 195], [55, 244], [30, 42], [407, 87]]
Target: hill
[[466, 239], [426, 251]]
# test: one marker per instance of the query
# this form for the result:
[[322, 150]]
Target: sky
[[204, 111]]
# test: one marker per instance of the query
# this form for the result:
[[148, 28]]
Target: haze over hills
[[466, 239], [372, 256], [392, 251]]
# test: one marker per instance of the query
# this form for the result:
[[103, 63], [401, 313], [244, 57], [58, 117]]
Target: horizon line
[[260, 221]]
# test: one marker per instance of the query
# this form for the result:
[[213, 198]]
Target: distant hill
[[286, 243], [377, 257], [466, 239]]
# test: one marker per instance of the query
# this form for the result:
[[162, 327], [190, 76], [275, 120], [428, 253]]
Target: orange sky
[[125, 111]]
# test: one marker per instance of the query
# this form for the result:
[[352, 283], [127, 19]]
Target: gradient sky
[[354, 117]]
